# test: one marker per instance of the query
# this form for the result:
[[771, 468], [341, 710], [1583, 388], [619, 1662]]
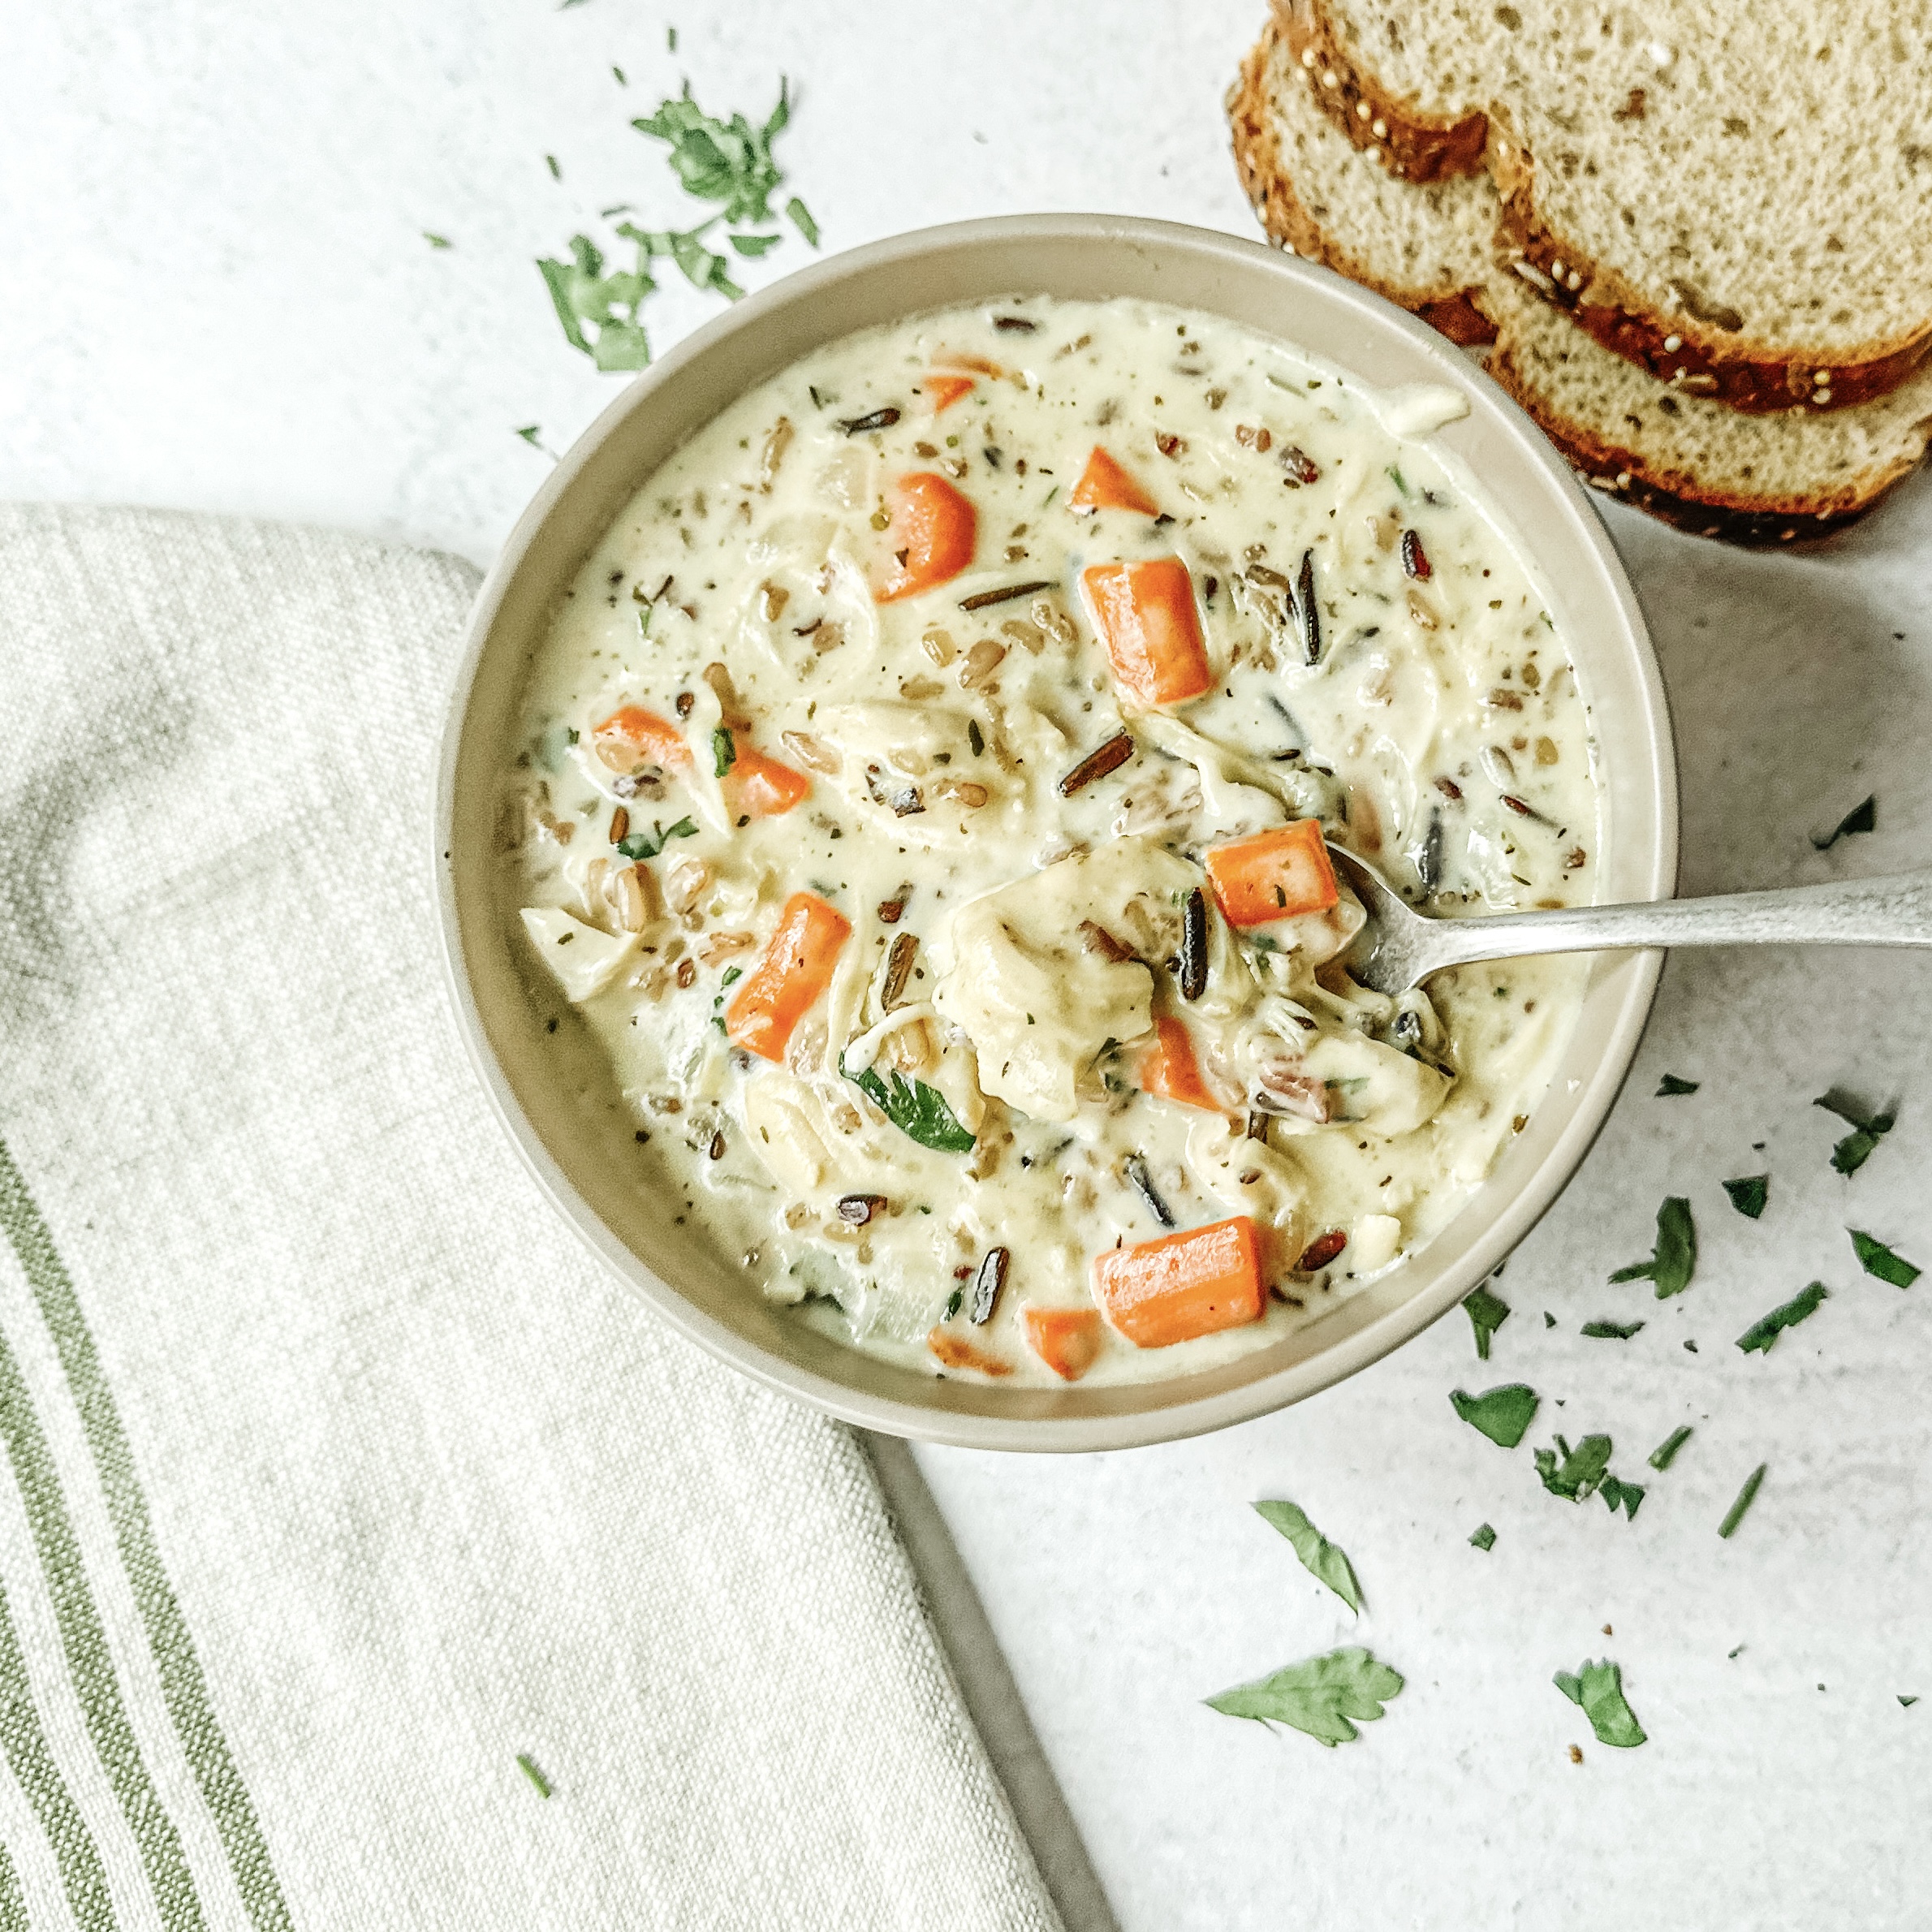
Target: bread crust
[[1289, 224], [1699, 347], [1669, 494], [1418, 146], [1773, 523]]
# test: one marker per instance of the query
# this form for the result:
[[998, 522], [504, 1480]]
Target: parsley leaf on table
[[728, 161], [1749, 1194], [1877, 1259], [1758, 1339], [1611, 1331], [1598, 1688], [702, 269], [1670, 1086], [1503, 1414], [1860, 818], [1666, 1451], [1616, 1491], [1320, 1558], [1854, 1149], [585, 297], [1735, 1513], [1320, 1695], [1581, 1471], [1675, 1258], [801, 220], [1487, 1313]]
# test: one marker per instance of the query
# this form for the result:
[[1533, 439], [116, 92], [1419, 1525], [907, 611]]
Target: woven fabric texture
[[337, 1477]]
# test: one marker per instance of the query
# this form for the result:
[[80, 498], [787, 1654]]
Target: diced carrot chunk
[[1280, 874], [1169, 1068], [1146, 615], [1104, 485], [1066, 1340], [761, 787], [956, 1352], [786, 983], [943, 391], [1182, 1285], [932, 537], [633, 736]]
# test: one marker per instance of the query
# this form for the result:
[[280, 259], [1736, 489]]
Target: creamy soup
[[923, 792]]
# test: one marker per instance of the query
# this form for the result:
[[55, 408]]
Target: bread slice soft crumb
[[1705, 468], [1741, 205]]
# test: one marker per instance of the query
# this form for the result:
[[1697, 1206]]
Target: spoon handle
[[1893, 910]]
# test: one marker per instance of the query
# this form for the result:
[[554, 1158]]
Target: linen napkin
[[367, 1557]]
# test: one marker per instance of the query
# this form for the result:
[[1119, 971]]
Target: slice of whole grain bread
[[1707, 469], [1738, 201]]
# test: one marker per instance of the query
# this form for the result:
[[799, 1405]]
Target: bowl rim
[[1167, 1421]]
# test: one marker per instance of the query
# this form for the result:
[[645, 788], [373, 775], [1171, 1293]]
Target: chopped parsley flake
[[528, 1765], [1735, 1513], [726, 161], [1671, 1085], [1503, 1414], [1860, 818], [1320, 1558], [1749, 1194], [1483, 1537], [1852, 1153], [1616, 1491], [1666, 1451], [1487, 1313], [1877, 1260], [642, 845], [1611, 1331], [1597, 1688], [1320, 1695], [801, 220], [1580, 1471], [1758, 1339], [1675, 1258]]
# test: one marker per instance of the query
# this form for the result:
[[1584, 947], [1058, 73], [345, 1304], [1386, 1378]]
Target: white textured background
[[216, 295]]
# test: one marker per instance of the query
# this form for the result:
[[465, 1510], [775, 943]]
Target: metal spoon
[[1400, 947]]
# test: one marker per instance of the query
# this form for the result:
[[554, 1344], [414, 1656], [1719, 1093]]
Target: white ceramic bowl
[[564, 1112]]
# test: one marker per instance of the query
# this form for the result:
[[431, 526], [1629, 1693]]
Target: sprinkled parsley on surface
[[1758, 1339], [528, 1765], [1671, 1085], [1880, 1260], [1749, 1193], [1860, 818], [1666, 1451], [1616, 1492], [1503, 1414], [1675, 1259], [1322, 1559], [1487, 1313], [1484, 1538], [437, 241], [1574, 1473], [1854, 1149], [1320, 1695], [1745, 1497], [1611, 1331], [1905, 1702], [1597, 1688]]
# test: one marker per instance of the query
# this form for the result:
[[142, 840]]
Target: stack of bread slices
[[1694, 240]]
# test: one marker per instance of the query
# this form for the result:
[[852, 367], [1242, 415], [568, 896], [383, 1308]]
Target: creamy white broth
[[1009, 947]]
